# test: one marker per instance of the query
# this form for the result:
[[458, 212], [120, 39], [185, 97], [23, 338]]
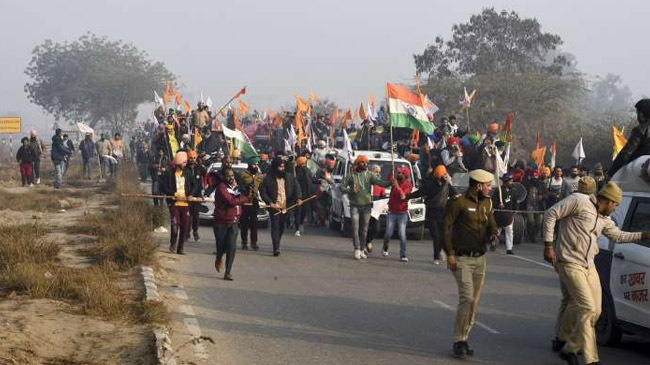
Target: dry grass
[[29, 264], [43, 200]]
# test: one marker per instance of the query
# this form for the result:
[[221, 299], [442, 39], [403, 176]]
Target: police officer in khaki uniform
[[467, 227], [584, 218]]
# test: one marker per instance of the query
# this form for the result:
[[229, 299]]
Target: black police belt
[[460, 253]]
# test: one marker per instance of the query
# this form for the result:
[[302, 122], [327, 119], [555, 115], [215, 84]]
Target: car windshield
[[386, 168]]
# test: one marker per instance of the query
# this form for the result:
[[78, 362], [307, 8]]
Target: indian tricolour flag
[[406, 109], [241, 142]]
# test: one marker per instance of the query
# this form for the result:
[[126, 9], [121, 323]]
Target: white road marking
[[480, 324], [531, 261], [180, 294], [186, 309], [192, 325]]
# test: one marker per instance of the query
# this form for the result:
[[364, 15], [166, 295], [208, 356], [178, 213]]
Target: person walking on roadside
[[467, 229], [279, 190], [251, 179], [40, 150], [159, 166], [198, 172], [305, 180], [584, 218], [87, 148], [59, 152], [437, 190], [398, 205], [506, 199], [104, 152], [228, 201], [180, 184], [26, 156], [358, 185], [68, 143]]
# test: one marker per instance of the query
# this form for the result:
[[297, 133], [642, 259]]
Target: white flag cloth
[[379, 207], [431, 147], [157, 99], [85, 128], [287, 146], [293, 138], [201, 97], [347, 146], [579, 152], [372, 112], [208, 103], [502, 162]]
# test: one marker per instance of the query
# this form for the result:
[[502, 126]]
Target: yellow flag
[[619, 141], [197, 137]]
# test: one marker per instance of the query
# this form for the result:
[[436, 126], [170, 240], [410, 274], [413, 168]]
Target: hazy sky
[[338, 49]]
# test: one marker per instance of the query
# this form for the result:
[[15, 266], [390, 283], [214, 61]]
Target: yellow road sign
[[10, 125]]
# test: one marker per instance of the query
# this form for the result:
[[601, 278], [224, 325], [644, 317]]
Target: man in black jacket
[[437, 191], [182, 185], [639, 142], [305, 180], [279, 190], [506, 199], [59, 153]]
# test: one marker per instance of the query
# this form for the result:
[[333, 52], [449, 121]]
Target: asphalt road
[[315, 304]]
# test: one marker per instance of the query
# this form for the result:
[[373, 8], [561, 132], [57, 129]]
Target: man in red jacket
[[398, 211], [228, 201]]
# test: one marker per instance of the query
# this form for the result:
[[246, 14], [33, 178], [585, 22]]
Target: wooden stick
[[151, 196], [285, 210]]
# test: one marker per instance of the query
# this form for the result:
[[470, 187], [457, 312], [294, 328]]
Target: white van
[[339, 217], [623, 268]]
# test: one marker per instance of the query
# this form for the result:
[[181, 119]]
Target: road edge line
[[163, 343]]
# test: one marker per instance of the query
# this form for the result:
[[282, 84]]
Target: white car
[[206, 213], [623, 268], [339, 217]]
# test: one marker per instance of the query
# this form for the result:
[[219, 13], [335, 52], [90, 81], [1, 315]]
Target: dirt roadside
[[42, 324]]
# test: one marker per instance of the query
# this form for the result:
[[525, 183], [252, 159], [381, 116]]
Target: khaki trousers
[[563, 326], [470, 276], [583, 310]]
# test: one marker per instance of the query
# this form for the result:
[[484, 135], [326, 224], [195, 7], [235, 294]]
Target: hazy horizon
[[339, 50]]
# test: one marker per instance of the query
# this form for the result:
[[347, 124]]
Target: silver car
[[207, 208]]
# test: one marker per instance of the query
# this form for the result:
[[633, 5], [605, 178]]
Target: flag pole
[[467, 112], [229, 101], [390, 126]]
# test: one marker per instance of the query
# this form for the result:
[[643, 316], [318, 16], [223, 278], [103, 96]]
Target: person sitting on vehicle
[[639, 142]]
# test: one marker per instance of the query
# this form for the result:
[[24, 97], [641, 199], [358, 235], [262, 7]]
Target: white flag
[[579, 152], [287, 146], [347, 146], [157, 99], [431, 147], [293, 138], [201, 97], [208, 103]]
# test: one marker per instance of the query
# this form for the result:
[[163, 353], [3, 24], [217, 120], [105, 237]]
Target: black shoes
[[244, 246], [276, 253], [510, 252], [462, 349], [255, 247], [228, 278], [557, 344], [571, 359]]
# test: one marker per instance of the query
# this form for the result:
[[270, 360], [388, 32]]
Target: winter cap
[[587, 185], [253, 160], [481, 176], [612, 192]]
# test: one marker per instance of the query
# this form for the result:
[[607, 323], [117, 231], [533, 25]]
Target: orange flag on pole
[[619, 141], [187, 107], [167, 97], [313, 98], [362, 112], [178, 98], [302, 105], [243, 108], [538, 156]]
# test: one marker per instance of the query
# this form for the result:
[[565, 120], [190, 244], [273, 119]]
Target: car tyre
[[334, 225], [518, 229], [608, 332]]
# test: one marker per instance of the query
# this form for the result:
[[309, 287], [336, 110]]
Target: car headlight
[[416, 213]]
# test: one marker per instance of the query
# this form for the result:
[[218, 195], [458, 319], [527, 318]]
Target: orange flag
[[243, 108], [362, 112], [178, 98], [335, 116], [187, 107], [197, 137], [538, 156], [270, 113], [236, 120], [346, 116], [167, 97], [302, 105]]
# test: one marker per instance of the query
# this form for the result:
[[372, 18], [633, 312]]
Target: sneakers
[[404, 259], [196, 237], [384, 253], [31, 185], [357, 254], [276, 253], [510, 252], [364, 254], [369, 247], [436, 262], [228, 278], [38, 181], [297, 234]]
